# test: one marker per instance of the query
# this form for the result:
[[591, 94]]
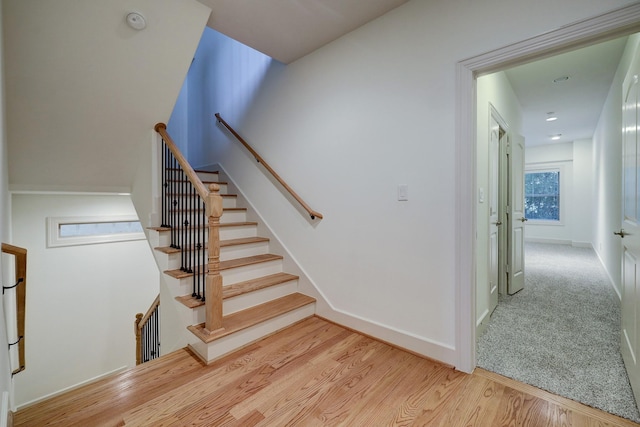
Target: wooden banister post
[[136, 327], [213, 290]]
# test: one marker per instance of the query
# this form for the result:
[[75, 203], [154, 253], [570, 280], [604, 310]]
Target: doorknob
[[523, 219], [620, 233], [498, 223]]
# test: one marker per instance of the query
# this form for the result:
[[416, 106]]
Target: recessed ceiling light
[[561, 79], [556, 137], [551, 116]]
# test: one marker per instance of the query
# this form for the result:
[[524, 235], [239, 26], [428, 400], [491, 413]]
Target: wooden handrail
[[141, 320], [213, 211], [306, 207], [161, 128], [21, 298]]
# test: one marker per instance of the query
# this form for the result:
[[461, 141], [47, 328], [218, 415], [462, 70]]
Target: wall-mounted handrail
[[147, 330], [253, 152], [20, 255]]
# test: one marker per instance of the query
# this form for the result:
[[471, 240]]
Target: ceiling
[[576, 101], [287, 30], [290, 29]]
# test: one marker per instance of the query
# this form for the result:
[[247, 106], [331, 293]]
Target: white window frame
[[562, 192], [54, 239]]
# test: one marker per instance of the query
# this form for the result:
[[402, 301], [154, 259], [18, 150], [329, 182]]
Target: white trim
[[72, 387], [617, 23], [54, 239]]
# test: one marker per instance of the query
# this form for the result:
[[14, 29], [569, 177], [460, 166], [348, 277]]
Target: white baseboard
[[401, 339], [73, 387], [551, 241], [5, 415]]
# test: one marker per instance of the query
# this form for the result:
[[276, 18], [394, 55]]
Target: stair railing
[[147, 330], [20, 287], [192, 212], [259, 159]]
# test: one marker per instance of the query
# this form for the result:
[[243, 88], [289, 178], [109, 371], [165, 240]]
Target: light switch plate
[[403, 192]]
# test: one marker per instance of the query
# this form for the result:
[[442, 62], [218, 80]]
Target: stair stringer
[[323, 306], [290, 263], [146, 198], [174, 317]]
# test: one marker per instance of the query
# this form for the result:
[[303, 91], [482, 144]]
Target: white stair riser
[[238, 232], [179, 187], [208, 176], [242, 302], [242, 251], [248, 300], [233, 216], [173, 261], [186, 203], [218, 348], [249, 272], [184, 286], [226, 233]]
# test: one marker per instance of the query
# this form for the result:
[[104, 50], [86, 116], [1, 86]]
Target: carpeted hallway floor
[[561, 333]]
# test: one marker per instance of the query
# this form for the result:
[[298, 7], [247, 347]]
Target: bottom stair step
[[244, 319]]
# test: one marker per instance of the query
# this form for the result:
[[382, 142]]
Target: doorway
[[479, 230], [619, 22]]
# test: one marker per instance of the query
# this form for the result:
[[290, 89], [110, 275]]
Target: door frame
[[617, 23], [503, 164]]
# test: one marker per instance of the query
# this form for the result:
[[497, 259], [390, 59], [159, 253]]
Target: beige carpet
[[561, 333]]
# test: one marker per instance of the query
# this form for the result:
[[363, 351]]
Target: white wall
[[583, 189], [347, 124], [575, 161], [607, 154], [81, 300], [493, 89], [6, 385]]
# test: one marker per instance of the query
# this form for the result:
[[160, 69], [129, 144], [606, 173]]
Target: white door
[[630, 227], [495, 222], [515, 215]]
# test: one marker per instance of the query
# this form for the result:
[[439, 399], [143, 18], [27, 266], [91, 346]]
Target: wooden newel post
[[136, 327], [213, 290]]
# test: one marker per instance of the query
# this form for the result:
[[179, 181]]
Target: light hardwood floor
[[314, 373]]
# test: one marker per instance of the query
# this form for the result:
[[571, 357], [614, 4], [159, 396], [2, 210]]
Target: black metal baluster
[[205, 242], [181, 197], [174, 205], [189, 216]]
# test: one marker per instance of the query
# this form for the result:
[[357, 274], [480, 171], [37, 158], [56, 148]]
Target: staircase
[[259, 298]]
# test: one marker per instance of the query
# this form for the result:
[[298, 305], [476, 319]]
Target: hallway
[[562, 332]]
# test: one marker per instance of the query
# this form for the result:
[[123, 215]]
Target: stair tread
[[223, 244], [202, 180], [232, 263], [242, 288], [254, 259], [225, 195], [252, 316], [242, 241], [200, 210], [195, 170], [222, 225]]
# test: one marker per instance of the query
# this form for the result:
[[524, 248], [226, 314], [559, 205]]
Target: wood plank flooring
[[314, 373]]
